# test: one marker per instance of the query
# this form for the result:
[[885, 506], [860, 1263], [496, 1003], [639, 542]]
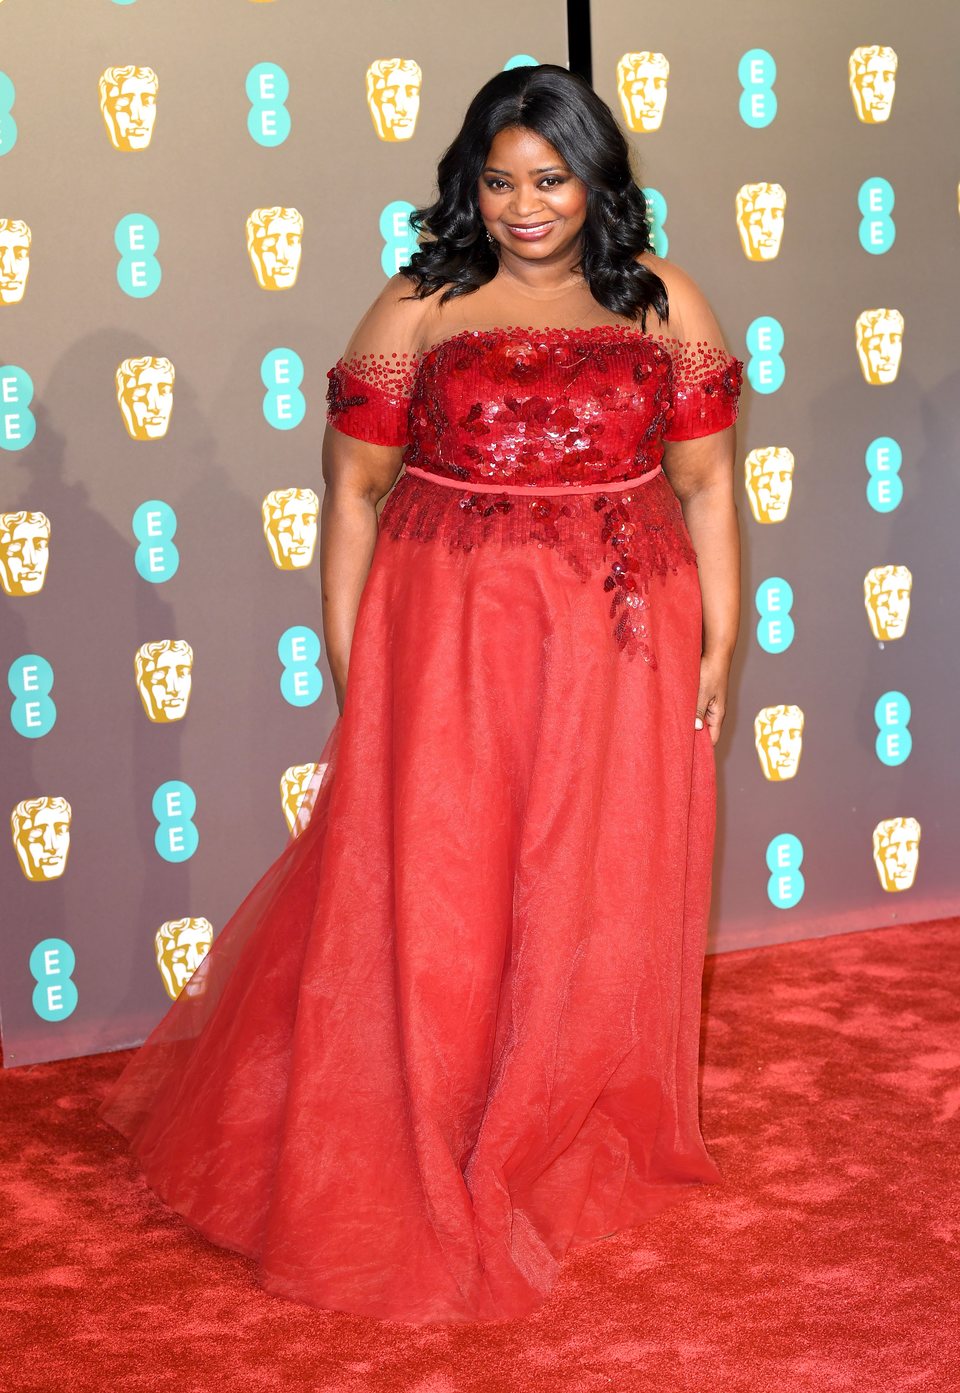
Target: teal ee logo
[[894, 741], [17, 423], [284, 405], [774, 602], [33, 712], [656, 218], [399, 238], [8, 126], [757, 73], [137, 237], [765, 368], [52, 964], [268, 120], [877, 228], [174, 805], [299, 651], [884, 487], [521, 60], [154, 524], [785, 886]]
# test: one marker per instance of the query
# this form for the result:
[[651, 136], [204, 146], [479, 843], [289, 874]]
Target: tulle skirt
[[453, 1029]]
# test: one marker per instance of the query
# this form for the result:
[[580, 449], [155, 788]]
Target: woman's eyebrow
[[546, 169]]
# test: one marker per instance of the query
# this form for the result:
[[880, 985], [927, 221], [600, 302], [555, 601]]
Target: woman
[[453, 1029]]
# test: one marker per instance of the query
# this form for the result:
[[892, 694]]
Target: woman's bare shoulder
[[688, 304]]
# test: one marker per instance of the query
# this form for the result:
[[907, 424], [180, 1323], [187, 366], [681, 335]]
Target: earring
[[491, 239]]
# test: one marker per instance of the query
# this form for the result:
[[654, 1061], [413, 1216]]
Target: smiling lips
[[531, 231]]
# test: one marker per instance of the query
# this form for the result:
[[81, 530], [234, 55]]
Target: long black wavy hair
[[563, 109]]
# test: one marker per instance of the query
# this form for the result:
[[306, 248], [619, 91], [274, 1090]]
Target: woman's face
[[526, 184]]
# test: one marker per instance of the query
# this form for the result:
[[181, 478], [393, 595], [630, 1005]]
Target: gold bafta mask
[[873, 81], [128, 100], [760, 212], [879, 344], [181, 946], [769, 481], [296, 795], [896, 851], [41, 836], [164, 673], [393, 96], [274, 240], [886, 594], [15, 239], [24, 552], [642, 88], [778, 734], [145, 396], [290, 526]]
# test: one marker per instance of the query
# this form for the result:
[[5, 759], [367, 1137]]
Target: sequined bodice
[[522, 405], [553, 438]]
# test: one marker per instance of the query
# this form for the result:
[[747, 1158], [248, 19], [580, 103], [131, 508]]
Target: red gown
[[453, 1029]]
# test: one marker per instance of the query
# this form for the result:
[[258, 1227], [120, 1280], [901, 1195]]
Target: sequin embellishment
[[554, 408]]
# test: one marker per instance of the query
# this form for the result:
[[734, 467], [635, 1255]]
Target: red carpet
[[826, 1261]]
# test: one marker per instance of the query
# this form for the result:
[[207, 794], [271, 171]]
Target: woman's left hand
[[712, 696]]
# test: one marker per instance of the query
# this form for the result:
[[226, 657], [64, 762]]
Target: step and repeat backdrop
[[167, 170], [798, 170]]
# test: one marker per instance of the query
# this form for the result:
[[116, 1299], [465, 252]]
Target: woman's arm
[[701, 473], [700, 468], [356, 475]]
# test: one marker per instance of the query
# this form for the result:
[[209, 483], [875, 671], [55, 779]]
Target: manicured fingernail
[[699, 723]]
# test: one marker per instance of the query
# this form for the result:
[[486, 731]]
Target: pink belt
[[533, 488]]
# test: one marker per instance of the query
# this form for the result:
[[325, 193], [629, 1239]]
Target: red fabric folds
[[453, 1030]]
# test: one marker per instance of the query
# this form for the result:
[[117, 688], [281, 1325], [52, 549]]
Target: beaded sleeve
[[706, 390], [368, 396]]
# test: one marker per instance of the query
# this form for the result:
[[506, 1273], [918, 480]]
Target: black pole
[[578, 38]]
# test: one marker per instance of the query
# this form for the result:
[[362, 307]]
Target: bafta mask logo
[[15, 239], [182, 945], [760, 213], [393, 96], [145, 395], [886, 594], [274, 240], [41, 836], [879, 344], [642, 88], [896, 851], [164, 673], [290, 526], [873, 81], [296, 795], [778, 733], [24, 552], [128, 100], [769, 481]]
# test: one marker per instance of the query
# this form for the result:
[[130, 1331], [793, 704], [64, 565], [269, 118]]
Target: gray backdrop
[[198, 180]]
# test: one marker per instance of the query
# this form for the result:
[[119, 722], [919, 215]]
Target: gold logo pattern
[[896, 851], [873, 82], [886, 594], [778, 735], [769, 482], [642, 88], [128, 101], [41, 836], [15, 241], [181, 946], [393, 97], [24, 552], [164, 672], [274, 243], [761, 209], [290, 526]]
